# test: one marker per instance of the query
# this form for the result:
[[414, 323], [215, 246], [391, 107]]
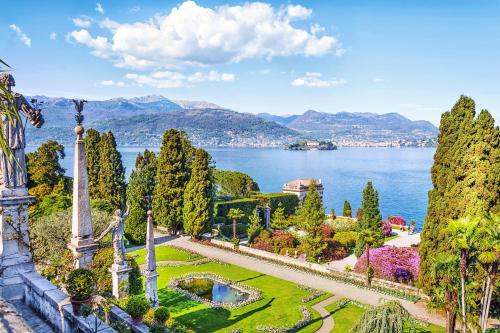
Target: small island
[[311, 145]]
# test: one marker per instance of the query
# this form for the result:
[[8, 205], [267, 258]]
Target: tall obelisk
[[150, 270], [82, 240]]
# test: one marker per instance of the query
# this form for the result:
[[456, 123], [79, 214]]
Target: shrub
[[335, 251], [220, 220], [386, 229], [342, 223], [80, 284], [282, 240], [246, 205], [289, 201], [263, 241], [397, 220], [347, 239], [399, 264], [161, 315], [137, 306], [326, 230], [227, 230]]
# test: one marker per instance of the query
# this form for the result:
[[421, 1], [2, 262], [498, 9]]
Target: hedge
[[227, 230], [246, 205], [289, 201]]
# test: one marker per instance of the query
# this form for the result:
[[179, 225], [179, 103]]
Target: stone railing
[[323, 270], [53, 305]]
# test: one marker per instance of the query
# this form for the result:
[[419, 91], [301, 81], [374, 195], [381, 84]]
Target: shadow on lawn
[[251, 278], [174, 301], [210, 320]]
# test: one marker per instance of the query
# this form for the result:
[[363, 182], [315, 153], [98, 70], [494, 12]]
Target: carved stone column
[[82, 240], [150, 270], [267, 216]]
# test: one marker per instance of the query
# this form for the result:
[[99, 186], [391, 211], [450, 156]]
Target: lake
[[401, 176]]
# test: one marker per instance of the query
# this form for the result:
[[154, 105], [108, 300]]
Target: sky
[[411, 57]]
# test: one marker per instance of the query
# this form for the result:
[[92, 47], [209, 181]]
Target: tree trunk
[[368, 279], [463, 270], [234, 228], [451, 318]]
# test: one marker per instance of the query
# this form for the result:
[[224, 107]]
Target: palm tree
[[463, 235], [391, 317], [369, 237], [445, 296], [235, 214], [488, 259]]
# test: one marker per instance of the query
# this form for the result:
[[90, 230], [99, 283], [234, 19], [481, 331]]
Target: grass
[[278, 306], [344, 319], [166, 253], [386, 239]]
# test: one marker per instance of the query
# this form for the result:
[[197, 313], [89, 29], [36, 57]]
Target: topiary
[[161, 315], [80, 284], [137, 306]]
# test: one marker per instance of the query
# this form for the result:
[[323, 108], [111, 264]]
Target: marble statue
[[13, 165], [118, 231]]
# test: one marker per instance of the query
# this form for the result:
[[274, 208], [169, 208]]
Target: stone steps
[[37, 324]]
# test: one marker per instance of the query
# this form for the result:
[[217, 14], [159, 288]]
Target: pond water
[[213, 291]]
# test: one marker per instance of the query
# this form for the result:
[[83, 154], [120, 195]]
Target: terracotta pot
[[77, 305]]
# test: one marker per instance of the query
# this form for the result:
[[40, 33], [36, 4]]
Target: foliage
[[370, 218], [397, 220], [289, 201], [283, 240], [386, 228], [311, 215], [254, 227], [465, 178], [399, 264], [199, 195], [139, 189], [347, 210], [80, 284], [235, 215], [171, 178], [235, 184], [227, 230], [347, 239], [111, 182], [92, 142], [137, 306], [246, 205], [264, 241], [343, 224], [326, 230], [161, 315], [278, 219], [57, 201], [335, 251], [391, 316]]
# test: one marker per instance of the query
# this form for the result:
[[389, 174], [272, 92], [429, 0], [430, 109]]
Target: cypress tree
[[140, 186], [93, 156], [465, 178], [310, 216], [370, 218], [111, 172], [347, 210], [171, 177], [198, 209], [279, 220]]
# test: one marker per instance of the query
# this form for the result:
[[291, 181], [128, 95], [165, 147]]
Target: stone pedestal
[[119, 278], [267, 216], [15, 254], [151, 287]]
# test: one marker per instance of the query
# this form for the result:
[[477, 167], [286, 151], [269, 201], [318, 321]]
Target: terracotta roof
[[303, 182]]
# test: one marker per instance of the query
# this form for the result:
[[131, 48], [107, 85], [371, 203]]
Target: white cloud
[[100, 45], [120, 84], [21, 35], [98, 8], [316, 28], [83, 21], [314, 80], [194, 35], [170, 79], [53, 36], [112, 83]]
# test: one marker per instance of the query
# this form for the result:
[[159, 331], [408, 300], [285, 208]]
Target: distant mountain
[[345, 126], [141, 121], [282, 120]]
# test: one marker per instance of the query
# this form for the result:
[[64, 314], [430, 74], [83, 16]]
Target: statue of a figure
[[13, 165], [118, 227]]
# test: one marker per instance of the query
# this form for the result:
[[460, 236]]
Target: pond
[[213, 291]]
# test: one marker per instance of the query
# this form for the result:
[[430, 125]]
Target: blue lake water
[[401, 176]]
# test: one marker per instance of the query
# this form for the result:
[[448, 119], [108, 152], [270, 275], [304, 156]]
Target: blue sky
[[411, 57]]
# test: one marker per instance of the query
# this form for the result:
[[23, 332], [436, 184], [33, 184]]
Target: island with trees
[[312, 145]]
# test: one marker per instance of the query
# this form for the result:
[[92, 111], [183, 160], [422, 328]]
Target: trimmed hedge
[[289, 201], [227, 230], [246, 205]]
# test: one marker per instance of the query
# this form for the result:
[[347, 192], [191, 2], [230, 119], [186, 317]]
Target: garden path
[[328, 322], [371, 297]]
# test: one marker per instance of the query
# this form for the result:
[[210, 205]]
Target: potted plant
[[137, 307], [80, 285]]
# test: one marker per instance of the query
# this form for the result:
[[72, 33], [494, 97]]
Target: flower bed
[[306, 317], [398, 264], [315, 293], [254, 294]]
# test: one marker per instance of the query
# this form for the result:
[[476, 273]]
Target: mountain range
[[141, 121]]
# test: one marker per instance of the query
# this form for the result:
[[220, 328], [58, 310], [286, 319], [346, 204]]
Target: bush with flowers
[[386, 228], [397, 220], [399, 264]]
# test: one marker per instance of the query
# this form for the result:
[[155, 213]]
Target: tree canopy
[[235, 184]]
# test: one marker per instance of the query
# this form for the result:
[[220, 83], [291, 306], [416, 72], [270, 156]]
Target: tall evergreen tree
[[279, 220], [171, 177], [310, 216], [347, 211], [111, 172], [93, 157], [140, 187], [44, 169], [370, 218], [198, 209], [465, 178]]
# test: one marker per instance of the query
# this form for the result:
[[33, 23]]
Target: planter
[[78, 304]]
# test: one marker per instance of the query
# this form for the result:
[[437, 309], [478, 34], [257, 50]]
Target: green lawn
[[279, 304], [390, 237], [166, 253], [345, 318]]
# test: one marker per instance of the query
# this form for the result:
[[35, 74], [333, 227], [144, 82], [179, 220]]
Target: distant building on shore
[[300, 187]]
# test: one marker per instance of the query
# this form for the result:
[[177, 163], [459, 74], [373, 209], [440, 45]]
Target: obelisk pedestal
[[82, 235], [120, 280], [150, 270]]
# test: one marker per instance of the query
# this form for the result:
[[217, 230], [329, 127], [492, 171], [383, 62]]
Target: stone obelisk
[[150, 270], [82, 240]]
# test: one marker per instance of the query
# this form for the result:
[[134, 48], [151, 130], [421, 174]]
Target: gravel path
[[328, 322], [371, 297]]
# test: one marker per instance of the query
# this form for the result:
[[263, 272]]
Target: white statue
[[118, 227]]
